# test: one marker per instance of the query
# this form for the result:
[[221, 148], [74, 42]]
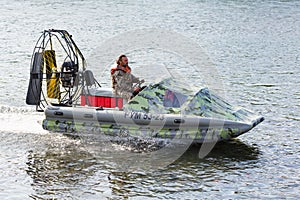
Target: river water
[[255, 47]]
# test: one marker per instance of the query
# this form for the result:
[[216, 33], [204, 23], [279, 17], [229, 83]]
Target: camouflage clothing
[[123, 83]]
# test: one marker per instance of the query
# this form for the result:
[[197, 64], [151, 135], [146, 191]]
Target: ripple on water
[[255, 46]]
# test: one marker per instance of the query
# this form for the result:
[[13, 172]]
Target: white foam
[[20, 120]]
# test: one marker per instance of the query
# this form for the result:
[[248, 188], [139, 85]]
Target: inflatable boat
[[75, 103]]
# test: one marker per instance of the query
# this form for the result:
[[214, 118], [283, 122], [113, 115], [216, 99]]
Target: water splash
[[20, 120]]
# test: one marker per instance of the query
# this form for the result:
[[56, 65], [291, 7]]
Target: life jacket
[[127, 69]]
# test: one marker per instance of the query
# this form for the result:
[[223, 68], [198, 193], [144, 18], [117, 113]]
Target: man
[[122, 79]]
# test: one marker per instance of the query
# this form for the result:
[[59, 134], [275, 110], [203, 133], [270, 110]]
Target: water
[[255, 48]]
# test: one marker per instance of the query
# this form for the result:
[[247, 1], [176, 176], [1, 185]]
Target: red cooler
[[101, 97]]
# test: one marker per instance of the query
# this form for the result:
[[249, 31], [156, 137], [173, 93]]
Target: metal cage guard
[[56, 70]]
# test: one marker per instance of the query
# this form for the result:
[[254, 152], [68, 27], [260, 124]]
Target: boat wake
[[14, 109], [20, 120], [139, 145]]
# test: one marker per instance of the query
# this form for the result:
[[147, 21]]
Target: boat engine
[[56, 71]]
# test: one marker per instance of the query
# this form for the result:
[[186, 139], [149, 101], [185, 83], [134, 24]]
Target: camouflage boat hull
[[115, 122]]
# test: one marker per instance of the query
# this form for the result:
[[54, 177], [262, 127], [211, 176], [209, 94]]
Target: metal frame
[[71, 93]]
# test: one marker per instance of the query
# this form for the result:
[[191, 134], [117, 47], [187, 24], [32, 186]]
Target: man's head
[[122, 60]]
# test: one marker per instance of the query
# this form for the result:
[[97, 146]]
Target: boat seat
[[90, 79], [98, 96]]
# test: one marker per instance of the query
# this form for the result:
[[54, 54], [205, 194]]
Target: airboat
[[74, 102]]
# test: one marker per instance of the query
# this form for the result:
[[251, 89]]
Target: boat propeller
[[56, 71]]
